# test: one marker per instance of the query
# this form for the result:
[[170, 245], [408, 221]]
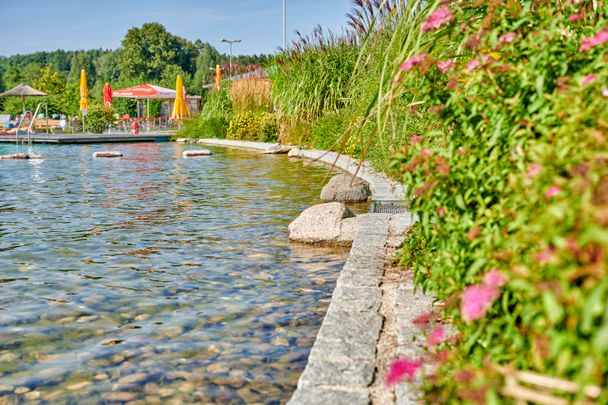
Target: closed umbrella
[[84, 95], [180, 110], [107, 95], [218, 77], [23, 90]]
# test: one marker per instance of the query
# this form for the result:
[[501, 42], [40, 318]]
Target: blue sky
[[35, 25]]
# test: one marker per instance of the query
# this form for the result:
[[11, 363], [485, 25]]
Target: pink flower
[[590, 42], [416, 138], [426, 152], [435, 337], [507, 38], [605, 92], [402, 367], [495, 279], [553, 191], [588, 79], [446, 66], [413, 61], [472, 65], [574, 18], [424, 319], [440, 17], [476, 301], [534, 170], [441, 212], [544, 256]]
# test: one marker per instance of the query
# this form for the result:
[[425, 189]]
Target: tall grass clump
[[251, 94], [507, 166], [311, 77]]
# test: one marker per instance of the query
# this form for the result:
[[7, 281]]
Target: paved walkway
[[369, 321]]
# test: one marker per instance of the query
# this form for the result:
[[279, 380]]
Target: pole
[[230, 62], [284, 26]]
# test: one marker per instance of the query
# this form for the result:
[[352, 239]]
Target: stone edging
[[344, 364]]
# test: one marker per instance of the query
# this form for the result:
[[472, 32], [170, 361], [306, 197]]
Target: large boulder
[[295, 152], [345, 188], [320, 224]]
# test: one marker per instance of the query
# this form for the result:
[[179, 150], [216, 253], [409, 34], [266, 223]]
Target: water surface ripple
[[157, 278]]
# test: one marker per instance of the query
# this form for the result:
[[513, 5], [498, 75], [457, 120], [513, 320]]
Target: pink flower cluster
[[440, 17], [479, 298], [445, 66], [413, 61], [402, 367], [588, 79], [591, 42], [553, 191], [507, 38]]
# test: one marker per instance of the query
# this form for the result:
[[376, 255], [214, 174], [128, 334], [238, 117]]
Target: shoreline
[[369, 320]]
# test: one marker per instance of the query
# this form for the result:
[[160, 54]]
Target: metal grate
[[388, 207]]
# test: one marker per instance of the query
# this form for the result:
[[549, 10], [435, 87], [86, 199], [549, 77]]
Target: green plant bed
[[249, 126]]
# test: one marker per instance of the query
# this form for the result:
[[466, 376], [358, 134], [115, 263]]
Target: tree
[[207, 59], [147, 51]]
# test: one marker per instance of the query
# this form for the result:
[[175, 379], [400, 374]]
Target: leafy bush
[[203, 127], [510, 185], [249, 126], [250, 94], [98, 117]]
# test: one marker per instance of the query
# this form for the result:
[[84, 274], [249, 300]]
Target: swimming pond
[[157, 278]]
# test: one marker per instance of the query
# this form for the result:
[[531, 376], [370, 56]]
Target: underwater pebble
[[8, 358], [186, 388], [119, 396], [21, 390], [117, 358], [101, 377], [78, 386], [142, 317], [170, 332], [165, 392], [133, 378], [218, 368], [84, 319], [33, 395], [53, 395], [280, 341], [152, 400]]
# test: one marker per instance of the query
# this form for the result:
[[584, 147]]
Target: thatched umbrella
[[23, 90]]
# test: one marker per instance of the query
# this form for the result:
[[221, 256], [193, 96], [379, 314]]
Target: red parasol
[[107, 95]]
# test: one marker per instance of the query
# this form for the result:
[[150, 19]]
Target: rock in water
[[345, 188], [107, 154], [295, 153], [194, 153], [15, 156], [277, 149], [320, 224]]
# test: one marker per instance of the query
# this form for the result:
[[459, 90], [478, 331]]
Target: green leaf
[[594, 306], [553, 309]]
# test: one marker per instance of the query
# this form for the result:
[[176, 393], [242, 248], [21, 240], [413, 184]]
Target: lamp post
[[284, 26], [233, 41]]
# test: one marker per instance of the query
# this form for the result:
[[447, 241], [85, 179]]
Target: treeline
[[149, 54]]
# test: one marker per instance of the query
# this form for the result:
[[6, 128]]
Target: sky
[[43, 25]]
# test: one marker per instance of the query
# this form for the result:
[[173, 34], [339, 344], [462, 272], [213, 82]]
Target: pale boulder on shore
[[345, 188], [295, 152], [321, 224]]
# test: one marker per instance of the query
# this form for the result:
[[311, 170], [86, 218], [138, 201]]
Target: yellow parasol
[[180, 109], [218, 77], [84, 92]]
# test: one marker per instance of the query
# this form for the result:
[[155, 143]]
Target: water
[[155, 277]]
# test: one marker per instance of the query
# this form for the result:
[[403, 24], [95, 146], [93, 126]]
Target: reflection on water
[[157, 278]]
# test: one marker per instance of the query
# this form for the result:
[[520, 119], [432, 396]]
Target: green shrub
[[97, 119], [510, 185], [249, 126], [203, 127]]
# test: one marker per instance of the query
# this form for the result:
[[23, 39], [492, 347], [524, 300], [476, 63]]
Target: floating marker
[[193, 153], [107, 154], [15, 156]]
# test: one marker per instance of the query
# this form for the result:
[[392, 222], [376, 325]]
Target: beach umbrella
[[84, 92], [218, 76], [180, 110], [107, 95], [23, 91]]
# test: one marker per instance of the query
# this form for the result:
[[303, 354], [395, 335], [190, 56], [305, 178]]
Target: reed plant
[[251, 94]]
